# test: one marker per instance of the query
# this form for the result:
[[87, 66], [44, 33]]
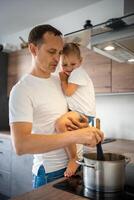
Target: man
[[36, 102]]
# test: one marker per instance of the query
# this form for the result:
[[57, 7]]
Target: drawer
[[5, 186], [5, 144], [5, 160]]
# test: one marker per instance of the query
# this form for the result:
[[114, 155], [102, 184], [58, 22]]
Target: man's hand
[[71, 121], [89, 136], [79, 120]]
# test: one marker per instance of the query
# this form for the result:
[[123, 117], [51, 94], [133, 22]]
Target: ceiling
[[17, 15]]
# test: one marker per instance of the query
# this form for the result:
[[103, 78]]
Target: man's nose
[[56, 57]]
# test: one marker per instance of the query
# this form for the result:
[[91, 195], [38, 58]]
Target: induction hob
[[75, 185]]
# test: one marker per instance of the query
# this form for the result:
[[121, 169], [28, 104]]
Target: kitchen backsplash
[[117, 115]]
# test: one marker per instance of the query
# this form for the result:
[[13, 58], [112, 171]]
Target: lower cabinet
[[21, 176], [5, 165], [15, 171], [5, 181]]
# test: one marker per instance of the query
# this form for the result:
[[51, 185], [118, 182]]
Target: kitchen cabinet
[[19, 64], [3, 91], [21, 180], [99, 69], [15, 171], [108, 76], [4, 122], [5, 166], [122, 77], [3, 73]]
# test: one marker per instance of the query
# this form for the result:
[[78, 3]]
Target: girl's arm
[[68, 88]]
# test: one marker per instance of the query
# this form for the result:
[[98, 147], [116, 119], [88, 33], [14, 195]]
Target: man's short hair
[[36, 34]]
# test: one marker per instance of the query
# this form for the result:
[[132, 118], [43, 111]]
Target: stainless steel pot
[[105, 176]]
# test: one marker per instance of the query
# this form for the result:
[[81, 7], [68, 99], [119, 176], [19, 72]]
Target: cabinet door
[[5, 143], [5, 154], [19, 64], [122, 77], [3, 73], [21, 181], [99, 69], [5, 160], [5, 165], [5, 181], [4, 113]]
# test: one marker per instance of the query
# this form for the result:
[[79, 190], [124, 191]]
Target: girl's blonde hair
[[71, 48]]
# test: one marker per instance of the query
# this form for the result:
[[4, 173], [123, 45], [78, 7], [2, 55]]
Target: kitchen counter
[[5, 134], [48, 192]]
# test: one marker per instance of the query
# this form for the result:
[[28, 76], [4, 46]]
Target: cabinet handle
[[0, 175], [1, 152], [1, 141]]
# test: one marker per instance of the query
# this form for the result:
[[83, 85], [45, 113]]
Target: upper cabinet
[[122, 77], [99, 69], [4, 124], [3, 73], [108, 76], [19, 64]]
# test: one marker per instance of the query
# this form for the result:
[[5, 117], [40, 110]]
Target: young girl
[[79, 90]]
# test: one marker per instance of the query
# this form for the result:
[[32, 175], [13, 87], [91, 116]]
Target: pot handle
[[83, 164], [127, 160], [80, 162]]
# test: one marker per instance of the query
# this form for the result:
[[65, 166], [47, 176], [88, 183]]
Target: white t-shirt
[[40, 101], [83, 99]]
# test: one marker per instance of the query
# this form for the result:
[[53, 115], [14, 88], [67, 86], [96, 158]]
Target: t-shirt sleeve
[[20, 106], [77, 77]]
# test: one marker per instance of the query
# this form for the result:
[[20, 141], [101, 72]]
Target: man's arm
[[25, 142], [71, 121]]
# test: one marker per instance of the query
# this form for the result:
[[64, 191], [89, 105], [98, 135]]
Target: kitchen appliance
[[104, 176], [113, 38], [75, 185], [106, 170]]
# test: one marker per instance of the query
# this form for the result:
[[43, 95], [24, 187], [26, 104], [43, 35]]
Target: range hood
[[117, 43], [113, 38]]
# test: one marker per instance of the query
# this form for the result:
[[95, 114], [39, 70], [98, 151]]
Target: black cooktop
[[75, 186]]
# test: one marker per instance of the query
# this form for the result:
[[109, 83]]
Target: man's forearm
[[27, 143], [36, 143]]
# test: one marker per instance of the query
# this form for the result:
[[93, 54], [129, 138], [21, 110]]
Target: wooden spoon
[[100, 155]]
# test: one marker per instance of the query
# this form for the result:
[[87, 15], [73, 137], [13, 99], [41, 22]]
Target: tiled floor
[[3, 197]]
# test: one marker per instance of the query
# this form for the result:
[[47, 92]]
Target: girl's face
[[70, 62]]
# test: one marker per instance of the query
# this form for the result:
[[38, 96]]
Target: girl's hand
[[63, 76]]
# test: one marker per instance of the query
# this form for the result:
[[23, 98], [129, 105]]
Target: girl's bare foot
[[71, 168]]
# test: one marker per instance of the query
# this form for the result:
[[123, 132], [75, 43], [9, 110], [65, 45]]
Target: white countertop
[[5, 134]]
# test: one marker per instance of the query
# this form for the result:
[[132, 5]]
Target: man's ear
[[32, 49]]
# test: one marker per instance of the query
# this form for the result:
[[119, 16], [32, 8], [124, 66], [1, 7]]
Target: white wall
[[116, 113]]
